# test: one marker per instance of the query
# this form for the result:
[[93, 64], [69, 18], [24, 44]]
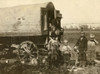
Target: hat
[[92, 36]]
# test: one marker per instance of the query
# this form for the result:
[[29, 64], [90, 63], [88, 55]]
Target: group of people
[[84, 51]]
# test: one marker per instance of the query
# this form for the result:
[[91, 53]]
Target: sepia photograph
[[49, 36]]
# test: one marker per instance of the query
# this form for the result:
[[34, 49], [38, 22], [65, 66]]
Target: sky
[[73, 11]]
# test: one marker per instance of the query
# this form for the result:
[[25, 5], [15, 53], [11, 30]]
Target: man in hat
[[82, 48], [91, 52]]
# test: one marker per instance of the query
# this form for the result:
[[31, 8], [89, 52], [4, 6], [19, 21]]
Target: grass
[[72, 37]]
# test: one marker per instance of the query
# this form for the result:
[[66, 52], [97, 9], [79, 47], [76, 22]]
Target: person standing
[[66, 51], [91, 52], [82, 48], [52, 54]]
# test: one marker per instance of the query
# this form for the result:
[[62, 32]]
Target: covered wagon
[[26, 22], [28, 26]]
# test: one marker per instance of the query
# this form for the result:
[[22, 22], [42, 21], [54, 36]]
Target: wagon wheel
[[26, 51]]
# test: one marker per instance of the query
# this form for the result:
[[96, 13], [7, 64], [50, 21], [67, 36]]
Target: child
[[91, 52], [65, 50]]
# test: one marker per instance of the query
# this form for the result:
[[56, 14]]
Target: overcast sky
[[73, 11]]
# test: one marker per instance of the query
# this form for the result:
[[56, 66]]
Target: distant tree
[[84, 27]]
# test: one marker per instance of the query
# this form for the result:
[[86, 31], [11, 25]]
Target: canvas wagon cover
[[21, 20]]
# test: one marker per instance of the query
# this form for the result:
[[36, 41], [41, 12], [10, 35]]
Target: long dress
[[91, 52]]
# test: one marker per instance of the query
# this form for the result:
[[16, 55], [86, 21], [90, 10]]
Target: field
[[72, 37]]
